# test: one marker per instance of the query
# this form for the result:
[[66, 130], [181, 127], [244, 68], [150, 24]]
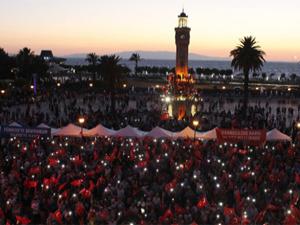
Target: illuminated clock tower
[[182, 38]]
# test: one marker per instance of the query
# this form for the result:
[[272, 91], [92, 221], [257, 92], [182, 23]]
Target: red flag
[[171, 185], [77, 183], [228, 211], [168, 213], [57, 216], [297, 178], [79, 209], [179, 209], [1, 214], [142, 164], [202, 203], [92, 185], [86, 193], [77, 160], [35, 170], [62, 186], [30, 184], [23, 220], [104, 214]]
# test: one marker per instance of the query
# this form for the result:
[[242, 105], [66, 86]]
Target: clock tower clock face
[[182, 36]]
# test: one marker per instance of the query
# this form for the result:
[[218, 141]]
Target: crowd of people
[[147, 181], [143, 109]]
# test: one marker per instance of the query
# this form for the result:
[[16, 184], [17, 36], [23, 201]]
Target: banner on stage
[[252, 137], [24, 132]]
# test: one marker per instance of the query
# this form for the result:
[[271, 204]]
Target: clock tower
[[182, 37]]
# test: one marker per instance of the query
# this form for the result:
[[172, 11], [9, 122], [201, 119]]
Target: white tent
[[127, 132], [53, 130], [276, 135], [70, 130], [210, 135], [99, 130], [186, 133], [158, 132], [15, 124]]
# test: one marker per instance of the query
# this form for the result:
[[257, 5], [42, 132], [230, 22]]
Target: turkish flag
[[23, 220], [168, 213], [30, 184], [77, 183], [57, 216], [228, 211], [52, 162], [202, 203], [86, 193], [35, 170]]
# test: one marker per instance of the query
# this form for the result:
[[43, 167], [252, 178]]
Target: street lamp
[[81, 121], [58, 84], [91, 85], [31, 87], [298, 125], [195, 124], [2, 92]]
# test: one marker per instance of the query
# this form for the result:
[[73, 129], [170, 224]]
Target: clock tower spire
[[182, 39]]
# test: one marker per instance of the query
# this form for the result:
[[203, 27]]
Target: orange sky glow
[[82, 26]]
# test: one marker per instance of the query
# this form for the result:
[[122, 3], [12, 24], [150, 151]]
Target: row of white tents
[[72, 130]]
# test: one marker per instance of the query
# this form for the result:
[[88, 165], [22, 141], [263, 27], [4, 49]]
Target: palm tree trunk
[[246, 92], [113, 102], [136, 66]]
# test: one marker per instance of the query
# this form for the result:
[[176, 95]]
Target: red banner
[[252, 137]]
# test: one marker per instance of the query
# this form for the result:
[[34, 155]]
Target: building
[[47, 55], [180, 97], [182, 40]]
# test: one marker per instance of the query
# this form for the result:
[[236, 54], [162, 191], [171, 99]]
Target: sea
[[276, 68]]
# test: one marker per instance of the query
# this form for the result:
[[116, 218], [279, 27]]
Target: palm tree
[[247, 57], [92, 59], [135, 57], [25, 61], [112, 74]]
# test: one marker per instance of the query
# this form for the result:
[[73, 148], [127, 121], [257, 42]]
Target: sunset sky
[[108, 26]]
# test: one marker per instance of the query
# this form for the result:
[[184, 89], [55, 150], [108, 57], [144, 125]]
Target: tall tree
[[112, 73], [92, 59], [25, 61], [247, 56], [136, 58], [5, 64]]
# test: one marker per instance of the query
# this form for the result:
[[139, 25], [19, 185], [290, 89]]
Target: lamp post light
[[298, 125], [81, 121], [195, 124], [2, 91]]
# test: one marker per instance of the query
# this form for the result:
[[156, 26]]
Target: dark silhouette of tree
[[293, 77], [112, 73], [92, 59], [136, 58], [282, 76], [29, 64], [5, 65], [247, 57], [25, 59]]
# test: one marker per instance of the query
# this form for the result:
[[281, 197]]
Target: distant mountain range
[[159, 55]]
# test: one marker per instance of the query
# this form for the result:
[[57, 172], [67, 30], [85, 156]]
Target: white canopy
[[158, 132], [127, 132], [210, 135], [15, 124], [99, 130], [186, 133], [70, 130], [53, 130], [276, 135]]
